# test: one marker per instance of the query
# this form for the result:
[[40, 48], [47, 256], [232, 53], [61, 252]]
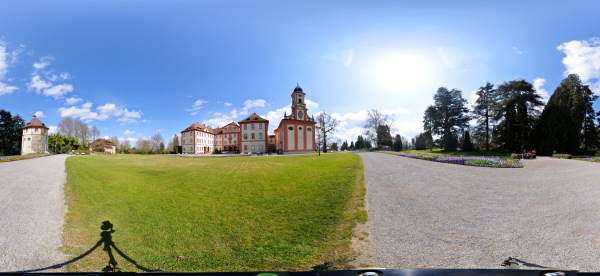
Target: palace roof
[[253, 118]]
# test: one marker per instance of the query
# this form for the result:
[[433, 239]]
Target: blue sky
[[136, 68]]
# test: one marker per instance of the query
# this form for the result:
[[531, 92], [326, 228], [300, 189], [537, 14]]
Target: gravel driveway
[[32, 208], [431, 215]]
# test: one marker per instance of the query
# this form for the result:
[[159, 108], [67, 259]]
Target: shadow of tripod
[[106, 239]]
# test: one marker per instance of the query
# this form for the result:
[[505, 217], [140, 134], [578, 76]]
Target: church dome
[[298, 88]]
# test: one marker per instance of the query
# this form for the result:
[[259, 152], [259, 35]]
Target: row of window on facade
[[253, 136], [253, 148], [260, 126], [299, 128], [30, 130]]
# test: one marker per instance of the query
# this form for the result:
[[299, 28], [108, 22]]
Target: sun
[[402, 72]]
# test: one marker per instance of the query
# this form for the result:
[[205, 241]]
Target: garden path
[[32, 208], [426, 214]]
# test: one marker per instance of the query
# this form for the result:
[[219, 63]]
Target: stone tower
[[35, 137]]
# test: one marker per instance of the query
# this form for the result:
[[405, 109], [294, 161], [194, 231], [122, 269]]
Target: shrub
[[562, 156], [516, 156]]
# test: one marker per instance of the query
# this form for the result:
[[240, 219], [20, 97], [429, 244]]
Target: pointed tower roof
[[35, 122]]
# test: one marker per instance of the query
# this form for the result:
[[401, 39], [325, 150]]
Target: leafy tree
[[10, 133], [334, 146], [125, 146], [516, 113], [62, 144], [420, 142], [567, 121], [483, 111], [397, 143], [326, 125], [373, 127], [344, 145], [384, 138], [175, 144], [162, 147], [115, 141], [447, 116], [466, 144]]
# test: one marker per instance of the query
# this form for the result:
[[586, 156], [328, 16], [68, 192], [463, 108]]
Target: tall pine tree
[[483, 111], [447, 117]]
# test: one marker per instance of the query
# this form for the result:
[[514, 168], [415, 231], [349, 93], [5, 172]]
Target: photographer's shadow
[[109, 245]]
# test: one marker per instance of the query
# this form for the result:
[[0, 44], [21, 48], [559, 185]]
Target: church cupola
[[299, 110]]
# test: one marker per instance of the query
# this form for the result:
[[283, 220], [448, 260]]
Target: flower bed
[[19, 157], [478, 161], [591, 159]]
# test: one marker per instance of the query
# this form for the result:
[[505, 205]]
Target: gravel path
[[426, 214], [32, 208]]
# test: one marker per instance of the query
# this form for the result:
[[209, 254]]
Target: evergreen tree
[[176, 146], [516, 113], [466, 144], [483, 111], [351, 145], [397, 143], [384, 138], [344, 145], [360, 143], [446, 117], [420, 141], [567, 119], [10, 133]]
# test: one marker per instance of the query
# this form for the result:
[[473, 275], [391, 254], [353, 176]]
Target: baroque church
[[295, 133]]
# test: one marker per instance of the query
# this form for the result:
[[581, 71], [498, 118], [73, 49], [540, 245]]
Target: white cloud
[[276, 116], [128, 132], [130, 117], [85, 113], [254, 103], [64, 75], [196, 106], [38, 84], [537, 85], [227, 104], [6, 60], [52, 129], [517, 50], [6, 89], [131, 140], [39, 114], [72, 100], [58, 91], [474, 97], [583, 58], [44, 62]]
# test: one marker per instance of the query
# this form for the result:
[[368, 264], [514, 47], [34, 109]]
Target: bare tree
[[169, 147], [125, 145], [375, 119], [325, 126], [155, 141], [66, 127], [81, 132], [115, 141], [94, 133], [142, 145]]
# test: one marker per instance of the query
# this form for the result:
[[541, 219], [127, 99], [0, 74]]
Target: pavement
[[426, 214], [32, 208]]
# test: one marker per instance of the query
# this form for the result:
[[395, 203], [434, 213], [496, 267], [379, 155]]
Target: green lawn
[[214, 214]]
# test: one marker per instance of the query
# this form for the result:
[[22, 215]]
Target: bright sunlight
[[402, 72]]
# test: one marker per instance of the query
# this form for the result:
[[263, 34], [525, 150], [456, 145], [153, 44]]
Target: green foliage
[[516, 113], [516, 155], [446, 117], [483, 111], [352, 147], [11, 133], [98, 149], [384, 138], [260, 214], [466, 144], [217, 151], [333, 146], [344, 145], [567, 121], [360, 143], [562, 156], [397, 146], [62, 144]]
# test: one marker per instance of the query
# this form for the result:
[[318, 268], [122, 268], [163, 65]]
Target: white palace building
[[295, 133]]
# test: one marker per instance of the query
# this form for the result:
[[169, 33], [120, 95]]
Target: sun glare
[[402, 72]]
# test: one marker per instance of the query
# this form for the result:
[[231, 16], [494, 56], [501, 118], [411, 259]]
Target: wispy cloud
[[85, 113], [73, 100], [128, 132], [39, 114], [7, 59], [43, 81], [196, 107], [517, 50]]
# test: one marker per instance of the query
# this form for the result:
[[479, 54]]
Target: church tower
[[296, 132], [35, 137]]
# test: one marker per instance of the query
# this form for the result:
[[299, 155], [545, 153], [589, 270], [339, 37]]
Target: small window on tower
[[299, 128], [308, 128], [290, 128]]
